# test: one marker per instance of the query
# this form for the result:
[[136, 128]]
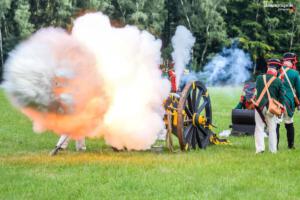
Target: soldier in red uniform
[[172, 77]]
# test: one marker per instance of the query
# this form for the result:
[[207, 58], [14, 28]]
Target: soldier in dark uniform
[[291, 82], [262, 115]]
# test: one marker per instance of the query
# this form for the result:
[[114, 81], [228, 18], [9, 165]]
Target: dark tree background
[[262, 31]]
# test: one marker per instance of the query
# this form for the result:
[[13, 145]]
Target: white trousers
[[285, 118], [64, 141], [259, 134]]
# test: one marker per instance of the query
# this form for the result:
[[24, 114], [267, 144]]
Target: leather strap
[[267, 85], [265, 81], [287, 78]]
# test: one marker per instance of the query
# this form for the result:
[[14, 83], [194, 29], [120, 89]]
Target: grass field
[[219, 172]]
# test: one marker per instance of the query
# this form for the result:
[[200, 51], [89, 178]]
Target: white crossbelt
[[287, 78]]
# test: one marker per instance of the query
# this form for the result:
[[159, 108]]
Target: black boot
[[278, 135], [290, 132]]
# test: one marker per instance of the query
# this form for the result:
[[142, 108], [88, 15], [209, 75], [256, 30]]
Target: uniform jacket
[[293, 75], [276, 90], [244, 104], [173, 83]]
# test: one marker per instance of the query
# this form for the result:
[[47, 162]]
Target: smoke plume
[[230, 67], [98, 81], [183, 42]]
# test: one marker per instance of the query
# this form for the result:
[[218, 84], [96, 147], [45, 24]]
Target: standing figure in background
[[172, 78], [64, 140], [292, 58], [291, 82], [267, 83], [246, 101]]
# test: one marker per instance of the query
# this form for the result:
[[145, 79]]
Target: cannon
[[189, 117], [243, 122]]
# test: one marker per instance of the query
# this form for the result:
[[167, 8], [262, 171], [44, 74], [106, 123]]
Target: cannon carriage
[[189, 117]]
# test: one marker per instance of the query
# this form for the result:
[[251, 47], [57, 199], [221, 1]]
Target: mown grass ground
[[219, 172]]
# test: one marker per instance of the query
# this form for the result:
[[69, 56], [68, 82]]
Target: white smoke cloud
[[183, 42], [109, 85], [31, 67]]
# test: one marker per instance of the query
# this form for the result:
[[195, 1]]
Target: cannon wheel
[[194, 101]]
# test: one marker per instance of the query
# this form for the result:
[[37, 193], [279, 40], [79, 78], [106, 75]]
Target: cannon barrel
[[243, 121]]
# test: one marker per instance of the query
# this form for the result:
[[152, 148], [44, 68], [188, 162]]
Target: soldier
[[63, 142], [262, 115], [172, 77], [291, 57], [291, 82], [246, 101]]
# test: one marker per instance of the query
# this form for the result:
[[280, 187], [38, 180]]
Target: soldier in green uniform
[[292, 58], [291, 82], [246, 101], [262, 115]]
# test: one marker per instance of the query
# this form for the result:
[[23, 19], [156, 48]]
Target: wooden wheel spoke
[[188, 112], [203, 131], [194, 131], [187, 130], [198, 132], [189, 134], [190, 103], [200, 109], [194, 93], [188, 121], [199, 95]]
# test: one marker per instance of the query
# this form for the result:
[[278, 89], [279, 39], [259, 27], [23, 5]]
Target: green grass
[[219, 172]]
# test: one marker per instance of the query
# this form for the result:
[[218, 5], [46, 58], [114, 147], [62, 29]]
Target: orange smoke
[[96, 81], [77, 125], [76, 79]]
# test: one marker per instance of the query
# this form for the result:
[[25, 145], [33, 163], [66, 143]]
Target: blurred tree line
[[262, 31]]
